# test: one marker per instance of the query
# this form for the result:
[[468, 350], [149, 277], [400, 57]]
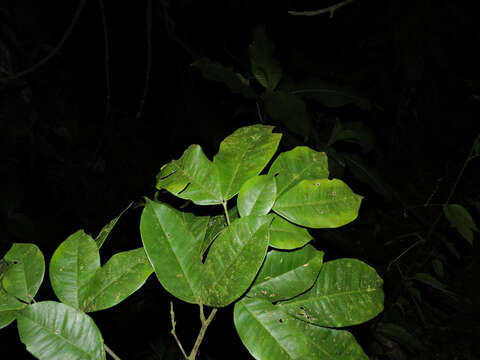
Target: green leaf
[[461, 219], [174, 249], [287, 274], [355, 132], [366, 175], [290, 111], [217, 72], [347, 292], [9, 302], [438, 267], [287, 236], [234, 259], [72, 265], [120, 277], [320, 203], [103, 234], [267, 332], [192, 177], [52, 331], [265, 68], [430, 281], [296, 165], [215, 226], [257, 195], [25, 272], [401, 335], [325, 343], [6, 318], [243, 155]]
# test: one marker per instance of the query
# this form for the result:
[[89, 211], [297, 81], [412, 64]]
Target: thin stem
[[110, 352], [172, 317], [224, 204], [203, 330], [330, 9]]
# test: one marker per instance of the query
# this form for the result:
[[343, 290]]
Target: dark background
[[65, 165]]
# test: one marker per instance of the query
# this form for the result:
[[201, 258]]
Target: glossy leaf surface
[[173, 249], [6, 318], [321, 203], [26, 268], [55, 331], [243, 155], [193, 177], [217, 72], [267, 332], [300, 163], [287, 274], [285, 235], [265, 68], [234, 259], [257, 195], [347, 292], [72, 265], [120, 277]]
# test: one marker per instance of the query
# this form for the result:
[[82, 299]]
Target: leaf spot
[[57, 331]]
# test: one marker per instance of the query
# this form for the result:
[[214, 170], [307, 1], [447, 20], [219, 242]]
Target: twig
[[330, 9], [107, 59], [110, 352], [201, 334], [172, 316], [65, 36], [148, 17], [224, 204]]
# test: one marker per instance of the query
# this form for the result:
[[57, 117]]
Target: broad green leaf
[[290, 111], [234, 259], [347, 292], [321, 203], [267, 332], [287, 236], [6, 318], [72, 265], [215, 226], [243, 155], [401, 335], [265, 68], [25, 272], [366, 175], [286, 274], [461, 219], [103, 234], [192, 177], [217, 72], [325, 343], [296, 165], [173, 249], [120, 277], [355, 132], [55, 331], [257, 195], [9, 302]]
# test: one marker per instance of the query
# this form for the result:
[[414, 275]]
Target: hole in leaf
[[280, 320], [15, 262]]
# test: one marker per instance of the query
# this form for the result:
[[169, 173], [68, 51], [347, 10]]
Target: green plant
[[289, 304]]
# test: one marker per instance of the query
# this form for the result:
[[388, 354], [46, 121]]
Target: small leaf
[[243, 155], [257, 195], [287, 274], [287, 236], [72, 265], [217, 72], [265, 68], [355, 132], [52, 331], [347, 292], [234, 259], [173, 249], [461, 219], [321, 203], [25, 272], [299, 164], [120, 277], [290, 111], [401, 335], [430, 280], [103, 234], [267, 332], [438, 268], [192, 177], [367, 175]]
